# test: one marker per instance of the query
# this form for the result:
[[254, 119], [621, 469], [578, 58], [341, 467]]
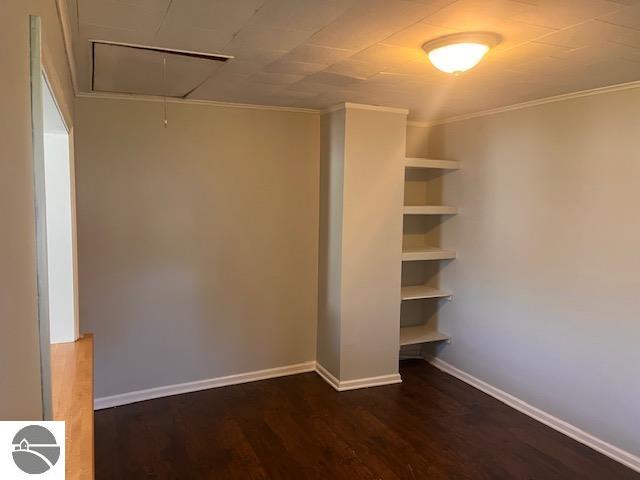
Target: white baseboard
[[168, 390], [342, 386], [617, 454], [165, 391], [327, 376]]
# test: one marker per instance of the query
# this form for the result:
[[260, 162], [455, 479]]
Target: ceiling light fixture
[[459, 52]]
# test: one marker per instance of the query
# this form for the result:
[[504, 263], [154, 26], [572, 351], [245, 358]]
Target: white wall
[[62, 301], [547, 277], [197, 243]]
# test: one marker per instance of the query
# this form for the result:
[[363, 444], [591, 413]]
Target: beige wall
[[197, 243], [361, 242], [547, 277], [372, 243], [332, 145], [20, 391]]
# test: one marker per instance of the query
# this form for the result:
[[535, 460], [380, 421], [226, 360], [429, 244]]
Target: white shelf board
[[426, 253], [420, 334], [412, 162], [430, 210], [415, 292]]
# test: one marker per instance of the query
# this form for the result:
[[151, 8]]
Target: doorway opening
[[58, 221], [54, 192]]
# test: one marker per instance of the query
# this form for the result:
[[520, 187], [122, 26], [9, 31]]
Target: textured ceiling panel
[[133, 70], [313, 53], [211, 14], [120, 15], [193, 38], [309, 15]]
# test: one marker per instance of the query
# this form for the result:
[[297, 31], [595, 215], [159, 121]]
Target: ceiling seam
[[164, 17], [233, 37]]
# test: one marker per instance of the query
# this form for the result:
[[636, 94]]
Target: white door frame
[[40, 74]]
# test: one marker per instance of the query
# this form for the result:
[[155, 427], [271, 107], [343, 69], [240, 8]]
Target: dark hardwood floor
[[432, 426]]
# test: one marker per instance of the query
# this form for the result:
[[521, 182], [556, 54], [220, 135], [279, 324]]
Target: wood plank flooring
[[432, 426], [72, 395]]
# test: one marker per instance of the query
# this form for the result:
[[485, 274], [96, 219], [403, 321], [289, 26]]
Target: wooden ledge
[[72, 392]]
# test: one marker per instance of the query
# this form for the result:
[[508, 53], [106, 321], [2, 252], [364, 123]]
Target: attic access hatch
[[124, 68]]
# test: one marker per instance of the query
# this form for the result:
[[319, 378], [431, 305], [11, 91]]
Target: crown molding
[[418, 123], [211, 103], [362, 106], [531, 103]]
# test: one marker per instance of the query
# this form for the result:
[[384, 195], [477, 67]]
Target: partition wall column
[[361, 190]]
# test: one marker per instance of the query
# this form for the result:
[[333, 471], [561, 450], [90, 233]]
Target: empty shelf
[[430, 163], [426, 253], [415, 292], [430, 210], [420, 334]]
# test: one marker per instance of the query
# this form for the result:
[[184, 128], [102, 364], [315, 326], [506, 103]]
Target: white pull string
[[164, 89]]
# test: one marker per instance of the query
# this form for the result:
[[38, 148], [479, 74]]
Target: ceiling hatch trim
[[189, 53], [168, 54]]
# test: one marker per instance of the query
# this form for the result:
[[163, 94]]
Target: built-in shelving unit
[[427, 253], [431, 163], [417, 292], [430, 210], [419, 334]]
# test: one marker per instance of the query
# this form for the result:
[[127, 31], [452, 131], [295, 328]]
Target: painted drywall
[[547, 276], [332, 144], [59, 238], [371, 243], [361, 242], [20, 381], [198, 243]]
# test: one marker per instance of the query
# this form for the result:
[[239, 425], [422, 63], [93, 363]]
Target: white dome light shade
[[458, 57], [459, 52]]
